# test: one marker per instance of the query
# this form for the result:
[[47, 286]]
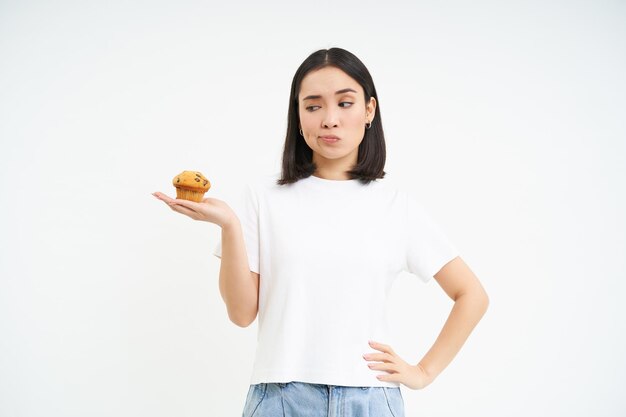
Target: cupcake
[[191, 185]]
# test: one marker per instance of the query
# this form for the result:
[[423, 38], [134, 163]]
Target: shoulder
[[391, 186], [406, 193]]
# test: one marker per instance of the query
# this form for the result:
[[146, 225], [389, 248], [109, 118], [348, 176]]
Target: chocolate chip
[[197, 179]]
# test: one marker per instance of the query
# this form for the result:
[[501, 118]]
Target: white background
[[505, 118]]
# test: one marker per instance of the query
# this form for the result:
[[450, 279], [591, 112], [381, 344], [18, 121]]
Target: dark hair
[[298, 157]]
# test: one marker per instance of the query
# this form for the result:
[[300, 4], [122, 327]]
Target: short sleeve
[[247, 211], [427, 247]]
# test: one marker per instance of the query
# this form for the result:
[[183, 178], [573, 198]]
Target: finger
[[183, 210], [380, 357], [380, 346], [159, 195], [162, 197], [388, 377], [192, 205], [388, 367]]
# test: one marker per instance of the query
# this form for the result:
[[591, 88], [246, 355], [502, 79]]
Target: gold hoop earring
[[368, 125], [301, 134]]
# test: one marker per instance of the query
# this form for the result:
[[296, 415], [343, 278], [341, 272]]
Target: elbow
[[481, 297], [484, 301], [241, 320], [242, 323], [478, 299]]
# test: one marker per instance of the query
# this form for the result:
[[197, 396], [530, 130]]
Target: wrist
[[231, 222], [428, 376]]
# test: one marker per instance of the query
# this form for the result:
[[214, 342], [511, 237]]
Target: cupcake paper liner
[[184, 194]]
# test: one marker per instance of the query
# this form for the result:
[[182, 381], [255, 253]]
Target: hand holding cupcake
[[190, 189]]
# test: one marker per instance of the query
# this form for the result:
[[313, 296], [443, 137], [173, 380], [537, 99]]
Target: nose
[[330, 119]]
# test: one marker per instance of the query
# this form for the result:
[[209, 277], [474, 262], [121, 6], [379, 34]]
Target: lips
[[329, 138]]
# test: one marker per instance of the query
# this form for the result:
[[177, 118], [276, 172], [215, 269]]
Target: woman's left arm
[[470, 304]]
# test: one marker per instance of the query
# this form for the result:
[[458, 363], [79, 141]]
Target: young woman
[[314, 252]]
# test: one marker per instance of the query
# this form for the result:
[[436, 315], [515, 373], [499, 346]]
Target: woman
[[315, 250]]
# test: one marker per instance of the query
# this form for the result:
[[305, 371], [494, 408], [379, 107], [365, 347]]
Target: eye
[[311, 108]]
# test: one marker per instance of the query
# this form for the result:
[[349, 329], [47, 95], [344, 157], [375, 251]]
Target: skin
[[345, 116], [470, 303]]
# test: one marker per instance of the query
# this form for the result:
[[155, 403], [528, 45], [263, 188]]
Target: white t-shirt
[[327, 252]]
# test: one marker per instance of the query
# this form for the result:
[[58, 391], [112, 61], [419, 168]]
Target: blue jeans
[[300, 399]]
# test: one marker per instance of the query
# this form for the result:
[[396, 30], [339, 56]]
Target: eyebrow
[[345, 90]]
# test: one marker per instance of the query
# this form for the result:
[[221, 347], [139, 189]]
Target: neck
[[331, 175], [333, 169]]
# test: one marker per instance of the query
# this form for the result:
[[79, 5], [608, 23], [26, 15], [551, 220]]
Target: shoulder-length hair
[[297, 160]]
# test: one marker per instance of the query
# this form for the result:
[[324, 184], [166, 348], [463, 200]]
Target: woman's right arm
[[239, 286]]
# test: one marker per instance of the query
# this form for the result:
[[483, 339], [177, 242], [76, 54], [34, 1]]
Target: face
[[331, 103]]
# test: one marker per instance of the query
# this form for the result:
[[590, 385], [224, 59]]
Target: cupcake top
[[191, 180]]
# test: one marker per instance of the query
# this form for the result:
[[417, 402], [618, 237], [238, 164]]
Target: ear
[[371, 109]]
